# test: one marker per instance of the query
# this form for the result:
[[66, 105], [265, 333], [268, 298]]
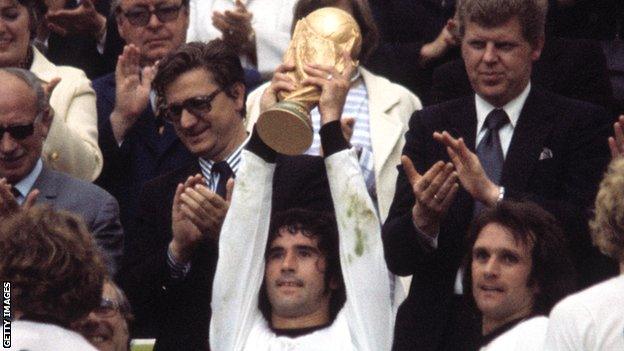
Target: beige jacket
[[390, 106], [72, 143]]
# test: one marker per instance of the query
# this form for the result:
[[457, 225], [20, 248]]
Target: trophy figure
[[319, 38]]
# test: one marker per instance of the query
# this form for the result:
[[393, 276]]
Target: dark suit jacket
[[574, 131], [573, 68], [178, 313], [143, 155], [98, 209]]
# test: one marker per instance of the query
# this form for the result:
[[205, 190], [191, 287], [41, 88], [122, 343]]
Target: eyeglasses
[[107, 308], [140, 15], [198, 106], [20, 132]]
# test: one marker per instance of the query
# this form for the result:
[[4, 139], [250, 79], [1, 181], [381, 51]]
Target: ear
[[238, 90], [46, 121], [333, 283], [120, 27], [536, 50]]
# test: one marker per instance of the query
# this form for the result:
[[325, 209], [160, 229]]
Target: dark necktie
[[490, 151], [225, 173], [16, 193]]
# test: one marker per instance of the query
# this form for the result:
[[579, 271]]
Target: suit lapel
[[464, 123], [48, 188], [385, 128], [534, 125]]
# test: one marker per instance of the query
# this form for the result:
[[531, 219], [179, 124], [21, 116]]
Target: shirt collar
[[512, 108], [232, 160], [25, 185]]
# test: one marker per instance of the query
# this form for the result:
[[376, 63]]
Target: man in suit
[[24, 123], [510, 140], [137, 145]]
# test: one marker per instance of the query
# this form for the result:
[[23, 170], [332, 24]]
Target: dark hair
[[313, 224], [215, 57], [36, 10], [53, 264], [361, 12], [551, 269], [492, 13]]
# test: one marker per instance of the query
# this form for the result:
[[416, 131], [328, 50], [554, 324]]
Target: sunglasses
[[107, 308], [140, 16], [198, 106], [20, 132]]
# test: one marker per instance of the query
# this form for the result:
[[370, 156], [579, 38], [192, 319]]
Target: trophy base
[[286, 128]]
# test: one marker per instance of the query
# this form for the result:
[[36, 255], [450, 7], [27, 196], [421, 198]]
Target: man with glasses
[[136, 144], [25, 121], [106, 326]]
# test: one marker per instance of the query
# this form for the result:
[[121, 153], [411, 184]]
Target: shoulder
[[84, 190], [167, 182], [528, 335], [545, 98], [104, 83], [602, 296]]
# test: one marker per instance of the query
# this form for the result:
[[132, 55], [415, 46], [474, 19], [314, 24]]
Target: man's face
[[14, 33], [500, 275], [498, 60], [105, 328], [18, 107], [295, 276], [156, 39], [209, 134]]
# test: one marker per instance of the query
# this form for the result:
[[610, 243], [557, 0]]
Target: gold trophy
[[321, 38]]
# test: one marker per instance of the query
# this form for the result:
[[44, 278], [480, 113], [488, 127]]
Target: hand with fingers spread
[[83, 19], [8, 203], [197, 213], [469, 169], [280, 82], [133, 85], [616, 142], [334, 87], [433, 193]]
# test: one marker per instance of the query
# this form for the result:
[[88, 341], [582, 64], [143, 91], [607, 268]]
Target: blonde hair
[[607, 226]]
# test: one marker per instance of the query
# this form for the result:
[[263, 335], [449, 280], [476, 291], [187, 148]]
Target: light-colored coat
[[390, 107], [71, 145]]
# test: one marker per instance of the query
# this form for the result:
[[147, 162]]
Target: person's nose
[[290, 262], [187, 119], [490, 55], [7, 143]]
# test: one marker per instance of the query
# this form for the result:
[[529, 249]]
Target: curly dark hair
[[53, 264], [215, 57], [551, 270], [361, 12], [313, 224]]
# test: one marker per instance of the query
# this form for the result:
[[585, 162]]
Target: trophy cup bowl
[[321, 38]]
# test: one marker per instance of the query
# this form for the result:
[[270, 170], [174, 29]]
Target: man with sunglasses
[[25, 121], [136, 144]]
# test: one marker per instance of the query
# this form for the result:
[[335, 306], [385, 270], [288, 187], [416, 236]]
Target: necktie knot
[[496, 119]]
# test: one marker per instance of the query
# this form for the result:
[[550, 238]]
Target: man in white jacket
[[292, 275]]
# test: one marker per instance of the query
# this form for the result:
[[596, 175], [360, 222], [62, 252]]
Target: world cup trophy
[[319, 38]]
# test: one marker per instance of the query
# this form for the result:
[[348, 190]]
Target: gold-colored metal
[[321, 38]]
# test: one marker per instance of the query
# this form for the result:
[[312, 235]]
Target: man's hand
[[8, 203], [442, 44], [469, 169], [83, 19], [616, 142], [235, 25], [197, 213], [133, 85], [280, 82], [433, 193], [334, 87]]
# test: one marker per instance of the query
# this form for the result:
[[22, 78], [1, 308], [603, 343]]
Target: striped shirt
[[179, 270], [356, 106]]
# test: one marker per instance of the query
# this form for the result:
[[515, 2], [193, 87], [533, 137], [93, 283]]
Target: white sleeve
[[571, 328], [368, 306], [240, 267]]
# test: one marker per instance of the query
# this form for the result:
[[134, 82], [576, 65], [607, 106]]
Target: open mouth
[[290, 283], [491, 289]]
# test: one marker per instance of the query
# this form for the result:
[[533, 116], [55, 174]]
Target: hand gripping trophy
[[320, 38]]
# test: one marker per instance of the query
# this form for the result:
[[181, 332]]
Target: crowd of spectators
[[464, 189]]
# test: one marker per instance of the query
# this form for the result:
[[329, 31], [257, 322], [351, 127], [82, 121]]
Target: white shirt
[[590, 320], [525, 336], [35, 336], [25, 185], [271, 22], [368, 321]]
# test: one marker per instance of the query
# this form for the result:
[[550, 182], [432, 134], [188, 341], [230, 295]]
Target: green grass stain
[[359, 242]]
